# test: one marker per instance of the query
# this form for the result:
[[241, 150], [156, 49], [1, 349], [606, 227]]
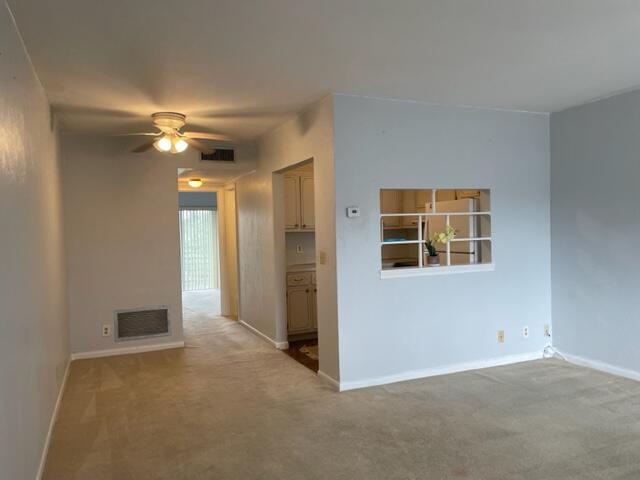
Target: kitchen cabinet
[[291, 202], [391, 202], [301, 303], [307, 211], [299, 211]]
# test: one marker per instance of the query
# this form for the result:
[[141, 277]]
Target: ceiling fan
[[170, 139]]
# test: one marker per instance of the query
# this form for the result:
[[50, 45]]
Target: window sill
[[428, 271]]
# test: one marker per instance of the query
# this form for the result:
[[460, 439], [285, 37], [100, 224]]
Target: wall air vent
[[141, 323], [219, 155]]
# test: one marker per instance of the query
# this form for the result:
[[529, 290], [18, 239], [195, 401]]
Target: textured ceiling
[[242, 66]]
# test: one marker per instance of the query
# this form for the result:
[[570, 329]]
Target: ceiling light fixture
[[180, 145], [195, 182], [171, 143], [163, 144]]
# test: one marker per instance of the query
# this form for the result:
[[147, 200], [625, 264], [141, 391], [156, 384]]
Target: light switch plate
[[353, 212], [323, 257]]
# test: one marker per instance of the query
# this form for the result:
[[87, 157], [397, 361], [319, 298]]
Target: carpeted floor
[[229, 406]]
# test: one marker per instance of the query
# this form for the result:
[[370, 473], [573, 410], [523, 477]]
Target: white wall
[[307, 242], [34, 344], [595, 193], [261, 236], [122, 235], [393, 327]]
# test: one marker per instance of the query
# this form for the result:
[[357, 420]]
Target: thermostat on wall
[[353, 212]]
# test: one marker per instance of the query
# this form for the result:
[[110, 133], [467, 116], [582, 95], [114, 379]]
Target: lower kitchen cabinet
[[301, 305]]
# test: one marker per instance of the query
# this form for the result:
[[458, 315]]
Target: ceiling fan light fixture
[[195, 182], [163, 144], [180, 145]]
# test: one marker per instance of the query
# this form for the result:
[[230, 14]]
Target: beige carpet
[[231, 407]]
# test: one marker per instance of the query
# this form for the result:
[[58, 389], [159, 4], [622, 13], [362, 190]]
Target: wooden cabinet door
[[422, 198], [313, 306], [291, 202], [298, 314], [391, 202], [307, 208]]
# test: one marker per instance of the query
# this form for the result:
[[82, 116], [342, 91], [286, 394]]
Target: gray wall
[[198, 199], [34, 344], [261, 237], [595, 199], [397, 326], [123, 245]]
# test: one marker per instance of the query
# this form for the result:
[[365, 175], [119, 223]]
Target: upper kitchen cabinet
[[307, 212], [291, 202], [391, 202], [299, 209]]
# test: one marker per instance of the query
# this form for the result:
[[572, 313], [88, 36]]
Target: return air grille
[[219, 155], [132, 324]]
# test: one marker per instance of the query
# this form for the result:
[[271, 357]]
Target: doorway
[[199, 255], [296, 236]]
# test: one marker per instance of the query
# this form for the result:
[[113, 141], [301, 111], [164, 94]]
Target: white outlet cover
[[106, 330]]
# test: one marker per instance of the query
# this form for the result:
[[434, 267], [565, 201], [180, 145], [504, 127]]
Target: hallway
[[229, 406], [200, 311]]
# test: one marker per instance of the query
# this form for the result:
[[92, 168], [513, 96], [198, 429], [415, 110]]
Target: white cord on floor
[[551, 352]]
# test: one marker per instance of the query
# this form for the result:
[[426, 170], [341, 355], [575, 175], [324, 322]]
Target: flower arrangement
[[438, 237], [446, 236]]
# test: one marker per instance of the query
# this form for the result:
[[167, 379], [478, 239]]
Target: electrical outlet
[[547, 330], [500, 336], [106, 330], [525, 332], [298, 248]]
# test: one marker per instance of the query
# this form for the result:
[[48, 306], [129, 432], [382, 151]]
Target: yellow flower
[[446, 236]]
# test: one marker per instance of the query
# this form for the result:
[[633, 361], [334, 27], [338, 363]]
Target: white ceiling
[[243, 66]]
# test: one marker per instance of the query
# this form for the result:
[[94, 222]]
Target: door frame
[[225, 300], [280, 257]]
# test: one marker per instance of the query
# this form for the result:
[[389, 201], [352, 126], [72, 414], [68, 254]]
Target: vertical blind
[[199, 249]]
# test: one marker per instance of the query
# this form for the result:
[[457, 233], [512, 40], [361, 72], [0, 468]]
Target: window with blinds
[[199, 249]]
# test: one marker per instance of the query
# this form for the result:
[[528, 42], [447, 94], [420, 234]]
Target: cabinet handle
[[304, 226], [307, 290], [315, 290], [296, 225]]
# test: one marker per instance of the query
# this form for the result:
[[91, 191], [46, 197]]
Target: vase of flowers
[[433, 257]]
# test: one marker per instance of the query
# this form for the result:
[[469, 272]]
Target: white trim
[[126, 350], [329, 380], [52, 422], [443, 370], [269, 340], [434, 214], [601, 366], [444, 270]]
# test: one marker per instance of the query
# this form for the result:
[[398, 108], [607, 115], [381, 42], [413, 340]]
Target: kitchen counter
[[301, 267]]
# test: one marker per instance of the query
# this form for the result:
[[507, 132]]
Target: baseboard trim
[[269, 340], [126, 350], [52, 422], [329, 380], [601, 366], [437, 371]]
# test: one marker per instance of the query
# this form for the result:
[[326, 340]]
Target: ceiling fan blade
[[201, 147], [140, 134], [208, 136], [144, 147]]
